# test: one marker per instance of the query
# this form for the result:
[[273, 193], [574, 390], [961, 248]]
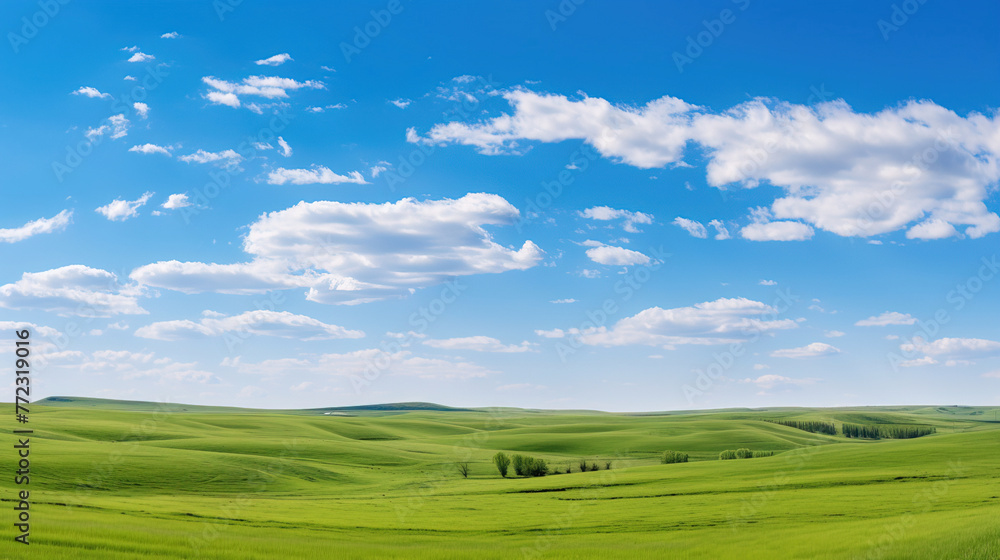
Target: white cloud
[[588, 273], [401, 103], [924, 361], [953, 349], [267, 87], [120, 210], [721, 232], [280, 324], [141, 57], [129, 78], [567, 300], [993, 374], [171, 35], [92, 92], [225, 158], [117, 125], [722, 321], [605, 213], [37, 227], [696, 229], [133, 48], [141, 109], [833, 334], [127, 365], [174, 201], [845, 172], [377, 169], [777, 231], [316, 175], [767, 283], [761, 366], [151, 149], [72, 290], [222, 98], [771, 381], [357, 252], [814, 350], [932, 229], [275, 60], [886, 319], [611, 255], [478, 344], [286, 150], [323, 109], [358, 362]]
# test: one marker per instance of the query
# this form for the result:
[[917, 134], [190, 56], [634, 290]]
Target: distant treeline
[[813, 426], [884, 431]]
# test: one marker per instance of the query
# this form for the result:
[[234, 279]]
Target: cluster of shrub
[[673, 457], [885, 431], [523, 465], [813, 426], [532, 466], [743, 453]]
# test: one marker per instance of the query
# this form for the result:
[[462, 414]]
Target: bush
[[757, 454], [607, 466], [463, 468], [583, 465], [744, 453], [866, 431], [529, 466], [502, 462], [673, 457], [727, 454], [518, 462]]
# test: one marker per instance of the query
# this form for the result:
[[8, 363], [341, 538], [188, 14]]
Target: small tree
[[519, 464], [502, 461], [594, 467], [727, 454], [583, 465], [743, 453], [607, 466], [463, 468]]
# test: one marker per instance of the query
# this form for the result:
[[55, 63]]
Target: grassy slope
[[255, 484]]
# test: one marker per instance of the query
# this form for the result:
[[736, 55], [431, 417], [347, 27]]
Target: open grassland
[[117, 480]]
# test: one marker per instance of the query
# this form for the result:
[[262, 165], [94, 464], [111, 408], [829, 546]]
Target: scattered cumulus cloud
[[276, 60], [120, 210], [886, 319], [316, 175], [59, 222], [92, 92], [814, 350]]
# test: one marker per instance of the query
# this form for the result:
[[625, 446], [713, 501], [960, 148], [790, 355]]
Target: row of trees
[[813, 426], [743, 453], [866, 431]]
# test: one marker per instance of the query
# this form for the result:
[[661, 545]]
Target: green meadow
[[119, 480]]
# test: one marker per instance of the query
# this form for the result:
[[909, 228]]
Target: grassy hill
[[124, 479]]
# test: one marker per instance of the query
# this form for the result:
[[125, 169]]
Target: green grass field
[[116, 480]]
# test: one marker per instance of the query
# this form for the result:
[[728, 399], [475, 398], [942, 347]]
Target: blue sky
[[620, 206]]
